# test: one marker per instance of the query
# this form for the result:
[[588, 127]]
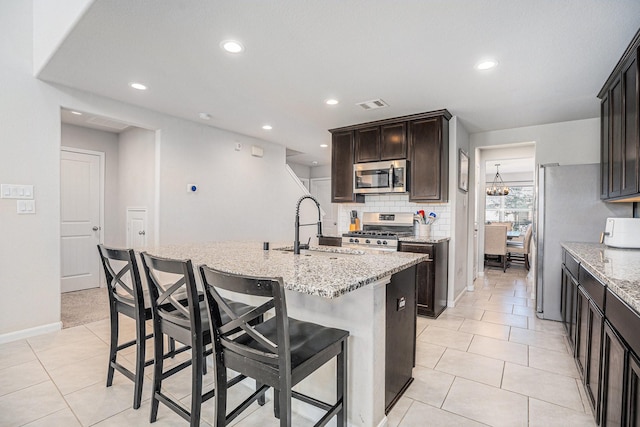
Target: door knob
[[95, 228], [142, 233]]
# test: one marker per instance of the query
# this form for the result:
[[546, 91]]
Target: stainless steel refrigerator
[[568, 209]]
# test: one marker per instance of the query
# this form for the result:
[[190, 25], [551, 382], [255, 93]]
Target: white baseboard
[[455, 302], [31, 332], [383, 423]]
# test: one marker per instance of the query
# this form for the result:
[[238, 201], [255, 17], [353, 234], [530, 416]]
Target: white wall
[[30, 142], [52, 22], [106, 142], [323, 171], [136, 180], [242, 196], [301, 171], [574, 142], [461, 236]]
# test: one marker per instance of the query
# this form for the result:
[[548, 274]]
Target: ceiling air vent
[[100, 121], [373, 104]]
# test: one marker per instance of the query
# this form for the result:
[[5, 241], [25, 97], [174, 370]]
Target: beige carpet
[[81, 307]]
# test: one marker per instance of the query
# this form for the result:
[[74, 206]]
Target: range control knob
[[356, 241], [351, 240], [379, 242], [384, 242], [367, 241]]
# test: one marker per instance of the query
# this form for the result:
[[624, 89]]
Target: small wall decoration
[[463, 171]]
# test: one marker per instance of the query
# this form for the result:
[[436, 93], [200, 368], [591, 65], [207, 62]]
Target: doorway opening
[[127, 178], [515, 210]]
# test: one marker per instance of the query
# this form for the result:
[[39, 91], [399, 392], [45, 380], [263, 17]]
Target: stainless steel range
[[380, 231]]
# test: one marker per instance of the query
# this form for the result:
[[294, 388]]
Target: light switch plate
[[26, 207], [13, 191]]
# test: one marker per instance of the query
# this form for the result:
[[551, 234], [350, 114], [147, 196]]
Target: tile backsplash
[[397, 203]]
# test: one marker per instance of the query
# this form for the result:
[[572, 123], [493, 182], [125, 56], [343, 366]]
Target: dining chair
[[495, 243], [127, 297], [279, 352], [507, 224], [521, 248]]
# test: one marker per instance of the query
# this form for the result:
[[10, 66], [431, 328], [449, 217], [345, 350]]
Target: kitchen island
[[332, 286]]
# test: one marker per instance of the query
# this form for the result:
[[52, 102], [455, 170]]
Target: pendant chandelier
[[498, 188]]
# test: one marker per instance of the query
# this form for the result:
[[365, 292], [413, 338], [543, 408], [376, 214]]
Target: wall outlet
[[238, 146]]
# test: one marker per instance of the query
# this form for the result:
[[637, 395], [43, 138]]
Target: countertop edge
[[618, 286]]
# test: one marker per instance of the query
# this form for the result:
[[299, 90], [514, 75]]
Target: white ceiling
[[417, 55]]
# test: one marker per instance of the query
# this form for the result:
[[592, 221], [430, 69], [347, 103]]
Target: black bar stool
[[180, 312], [279, 352], [127, 297], [180, 318]]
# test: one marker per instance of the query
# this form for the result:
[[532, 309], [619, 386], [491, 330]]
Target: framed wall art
[[463, 171]]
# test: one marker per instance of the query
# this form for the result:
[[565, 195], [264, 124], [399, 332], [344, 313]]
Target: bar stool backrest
[[169, 282], [225, 335], [124, 286]]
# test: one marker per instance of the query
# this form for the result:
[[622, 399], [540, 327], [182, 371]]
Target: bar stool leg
[[341, 373], [140, 361], [113, 346], [158, 347]]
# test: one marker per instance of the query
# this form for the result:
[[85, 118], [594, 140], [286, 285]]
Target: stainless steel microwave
[[380, 177]]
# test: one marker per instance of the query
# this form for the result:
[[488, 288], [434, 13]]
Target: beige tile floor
[[488, 361]]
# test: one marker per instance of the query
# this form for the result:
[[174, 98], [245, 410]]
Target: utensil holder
[[422, 231]]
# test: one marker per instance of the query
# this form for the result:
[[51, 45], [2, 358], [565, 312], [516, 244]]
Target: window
[[516, 207]]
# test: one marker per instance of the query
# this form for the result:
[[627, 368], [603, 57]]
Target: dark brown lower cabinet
[[582, 330], [400, 335], [595, 321], [568, 305], [431, 276], [633, 393], [603, 330], [614, 355]]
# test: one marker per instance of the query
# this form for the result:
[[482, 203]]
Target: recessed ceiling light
[[138, 86], [205, 116], [232, 46], [267, 127], [331, 102], [324, 145], [77, 113], [486, 65]]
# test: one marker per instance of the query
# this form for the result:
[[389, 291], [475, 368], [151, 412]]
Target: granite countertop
[[619, 269], [431, 240], [326, 271]]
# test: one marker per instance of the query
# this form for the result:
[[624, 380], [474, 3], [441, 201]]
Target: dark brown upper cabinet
[[429, 159], [367, 144], [620, 129], [423, 139], [342, 156], [386, 142]]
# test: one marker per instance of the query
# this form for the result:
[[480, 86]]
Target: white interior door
[[136, 227], [80, 175], [321, 190]]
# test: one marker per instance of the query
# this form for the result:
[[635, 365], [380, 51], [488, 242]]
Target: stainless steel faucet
[[296, 243]]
